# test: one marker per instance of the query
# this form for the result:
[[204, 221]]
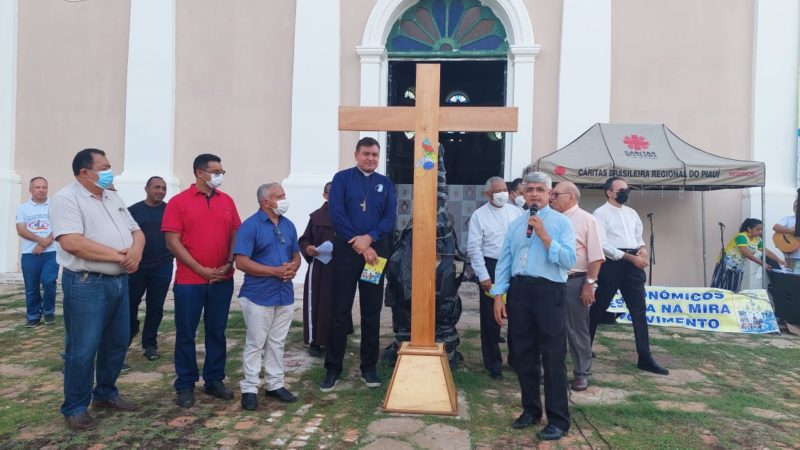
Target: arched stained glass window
[[448, 28]]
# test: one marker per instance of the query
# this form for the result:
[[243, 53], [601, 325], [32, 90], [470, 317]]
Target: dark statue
[[449, 275]]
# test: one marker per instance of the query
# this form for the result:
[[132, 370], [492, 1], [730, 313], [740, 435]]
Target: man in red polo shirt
[[200, 226]]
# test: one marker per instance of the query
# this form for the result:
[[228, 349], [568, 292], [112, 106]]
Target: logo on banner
[[560, 170], [638, 146], [741, 173]]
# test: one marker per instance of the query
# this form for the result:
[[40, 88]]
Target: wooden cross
[[427, 119]]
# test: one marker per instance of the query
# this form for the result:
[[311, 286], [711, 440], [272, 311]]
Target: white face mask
[[500, 198], [215, 181], [520, 201], [283, 206]]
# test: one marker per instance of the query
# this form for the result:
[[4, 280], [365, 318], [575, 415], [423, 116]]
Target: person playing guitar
[[786, 241]]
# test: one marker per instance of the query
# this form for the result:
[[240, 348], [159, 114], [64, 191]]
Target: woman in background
[[747, 244]]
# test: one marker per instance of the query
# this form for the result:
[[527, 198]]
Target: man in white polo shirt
[[38, 262], [99, 245], [487, 229]]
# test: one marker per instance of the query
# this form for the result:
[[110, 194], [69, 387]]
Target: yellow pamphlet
[[372, 272]]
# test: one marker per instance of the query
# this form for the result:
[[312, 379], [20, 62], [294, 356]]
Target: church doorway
[[470, 158], [469, 42]]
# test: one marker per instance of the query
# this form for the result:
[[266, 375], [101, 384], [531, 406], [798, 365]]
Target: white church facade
[[259, 83]]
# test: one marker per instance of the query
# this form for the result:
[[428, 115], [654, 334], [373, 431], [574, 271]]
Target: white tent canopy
[[648, 156]]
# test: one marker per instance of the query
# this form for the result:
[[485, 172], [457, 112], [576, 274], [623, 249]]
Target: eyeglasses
[[278, 234], [555, 194], [216, 172]]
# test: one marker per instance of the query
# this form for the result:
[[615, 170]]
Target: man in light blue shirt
[[538, 251]]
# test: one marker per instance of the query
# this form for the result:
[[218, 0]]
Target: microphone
[[534, 209], [650, 215], [722, 225]]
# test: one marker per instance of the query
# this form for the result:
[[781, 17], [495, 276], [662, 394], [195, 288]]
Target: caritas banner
[[707, 309]]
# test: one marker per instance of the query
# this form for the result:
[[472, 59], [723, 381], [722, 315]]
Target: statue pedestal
[[421, 382]]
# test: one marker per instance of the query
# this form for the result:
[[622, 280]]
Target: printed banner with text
[[708, 309]]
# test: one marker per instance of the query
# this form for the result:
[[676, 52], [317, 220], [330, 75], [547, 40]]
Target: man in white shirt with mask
[[515, 190], [626, 258], [487, 230]]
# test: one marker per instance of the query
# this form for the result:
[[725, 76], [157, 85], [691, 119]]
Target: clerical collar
[[365, 173]]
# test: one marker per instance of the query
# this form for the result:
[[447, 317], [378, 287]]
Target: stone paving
[[388, 432]]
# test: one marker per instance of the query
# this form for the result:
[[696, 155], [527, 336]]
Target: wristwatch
[[591, 281]]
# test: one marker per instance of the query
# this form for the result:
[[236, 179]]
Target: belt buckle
[[85, 276]]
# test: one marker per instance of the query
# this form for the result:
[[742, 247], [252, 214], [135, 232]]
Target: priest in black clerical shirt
[[363, 211]]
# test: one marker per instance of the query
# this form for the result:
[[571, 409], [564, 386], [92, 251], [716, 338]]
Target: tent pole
[[763, 252], [703, 228]]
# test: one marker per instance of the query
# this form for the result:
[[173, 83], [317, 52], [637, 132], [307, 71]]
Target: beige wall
[[687, 64], [70, 85], [354, 18], [233, 91], [684, 63], [546, 19]]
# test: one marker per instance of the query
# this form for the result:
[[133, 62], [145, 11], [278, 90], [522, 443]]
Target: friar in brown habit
[[318, 288]]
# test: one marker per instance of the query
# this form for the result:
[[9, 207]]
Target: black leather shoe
[[370, 378], [496, 375], [281, 394], [80, 422], [551, 433], [314, 350], [249, 401], [117, 403], [151, 353], [184, 398], [327, 383], [580, 384], [650, 365], [525, 420], [218, 389]]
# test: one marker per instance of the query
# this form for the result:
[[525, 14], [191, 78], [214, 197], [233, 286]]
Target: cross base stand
[[421, 382]]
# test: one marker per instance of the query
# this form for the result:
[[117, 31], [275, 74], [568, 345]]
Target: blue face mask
[[105, 178]]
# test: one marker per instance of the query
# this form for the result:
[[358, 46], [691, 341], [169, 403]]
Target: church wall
[[72, 60], [233, 91], [546, 19], [354, 14], [687, 64]]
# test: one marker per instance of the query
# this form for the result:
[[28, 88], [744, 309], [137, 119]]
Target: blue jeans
[[40, 273], [96, 328], [155, 281], [190, 301]]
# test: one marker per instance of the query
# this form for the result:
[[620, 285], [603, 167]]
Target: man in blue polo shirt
[[266, 251]]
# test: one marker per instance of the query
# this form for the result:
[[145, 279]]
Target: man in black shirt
[[155, 270]]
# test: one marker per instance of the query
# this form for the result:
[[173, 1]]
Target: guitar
[[786, 242]]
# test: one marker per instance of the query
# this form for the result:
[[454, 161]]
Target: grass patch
[[739, 372]]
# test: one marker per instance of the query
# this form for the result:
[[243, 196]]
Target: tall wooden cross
[[406, 392]]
